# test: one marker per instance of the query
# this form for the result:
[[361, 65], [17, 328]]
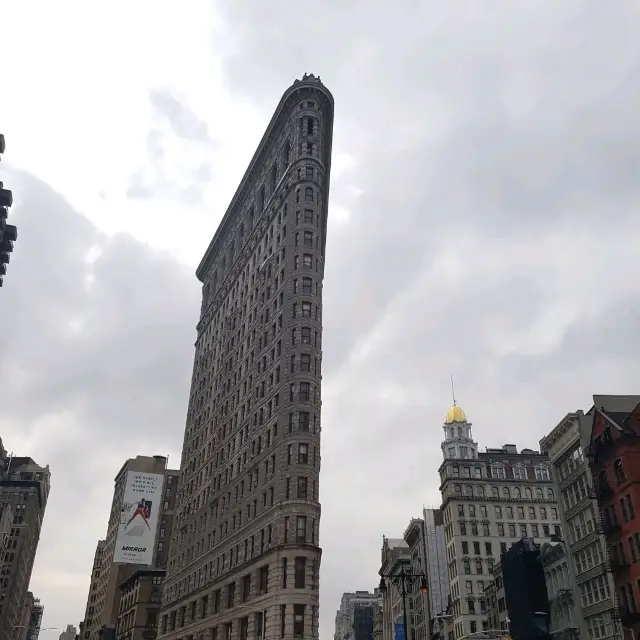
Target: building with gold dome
[[455, 414], [458, 442], [491, 499]]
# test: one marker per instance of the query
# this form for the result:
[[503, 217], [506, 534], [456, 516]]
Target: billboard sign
[[136, 538], [399, 635]]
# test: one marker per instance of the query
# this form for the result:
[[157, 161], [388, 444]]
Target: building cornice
[[558, 431]]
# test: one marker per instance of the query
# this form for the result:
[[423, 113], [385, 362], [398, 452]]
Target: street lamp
[[404, 580]]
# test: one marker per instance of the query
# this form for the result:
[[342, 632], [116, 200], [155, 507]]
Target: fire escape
[[608, 526]]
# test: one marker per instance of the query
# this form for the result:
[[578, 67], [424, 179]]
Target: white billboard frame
[[139, 518]]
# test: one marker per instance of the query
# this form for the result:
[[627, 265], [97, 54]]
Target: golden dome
[[455, 414]]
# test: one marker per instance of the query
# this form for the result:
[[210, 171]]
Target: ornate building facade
[[490, 500], [245, 552], [591, 591]]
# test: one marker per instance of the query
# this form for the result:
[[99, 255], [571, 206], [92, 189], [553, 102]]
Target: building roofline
[[308, 82], [559, 429], [142, 573]]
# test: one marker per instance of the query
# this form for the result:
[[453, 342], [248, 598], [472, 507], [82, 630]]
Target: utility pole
[[8, 232]]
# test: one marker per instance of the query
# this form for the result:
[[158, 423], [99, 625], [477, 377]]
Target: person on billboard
[[144, 511]]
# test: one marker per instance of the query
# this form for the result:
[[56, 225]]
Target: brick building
[[614, 457], [245, 553]]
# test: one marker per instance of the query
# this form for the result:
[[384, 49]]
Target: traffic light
[[8, 232]]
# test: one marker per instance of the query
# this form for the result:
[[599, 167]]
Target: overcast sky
[[483, 223]]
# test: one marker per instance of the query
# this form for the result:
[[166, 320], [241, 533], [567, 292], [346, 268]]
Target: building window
[[264, 579], [258, 623], [298, 620], [520, 472], [284, 573], [283, 620], [304, 421], [286, 153], [301, 529], [303, 453], [308, 194], [300, 573], [542, 472], [302, 488], [497, 471], [618, 470], [246, 588]]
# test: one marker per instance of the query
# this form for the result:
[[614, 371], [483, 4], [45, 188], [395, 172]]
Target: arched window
[[452, 433], [527, 493], [551, 494], [494, 492], [618, 470], [458, 490], [308, 194], [505, 492], [481, 492], [468, 490], [517, 493], [603, 482], [539, 494]]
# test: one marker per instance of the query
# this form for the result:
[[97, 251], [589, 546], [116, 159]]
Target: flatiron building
[[245, 557]]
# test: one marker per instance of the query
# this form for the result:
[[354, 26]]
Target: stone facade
[[490, 500], [395, 557], [563, 615], [436, 570], [355, 617], [103, 601], [580, 522], [418, 603], [92, 618], [24, 489], [245, 554], [139, 608]]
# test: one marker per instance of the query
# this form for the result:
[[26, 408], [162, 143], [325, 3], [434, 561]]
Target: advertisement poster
[[139, 518], [399, 635]]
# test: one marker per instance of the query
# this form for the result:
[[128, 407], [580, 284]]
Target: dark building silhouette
[[525, 592], [8, 232]]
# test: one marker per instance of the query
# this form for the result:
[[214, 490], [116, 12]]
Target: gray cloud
[[180, 153], [95, 368], [184, 122], [496, 152]]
